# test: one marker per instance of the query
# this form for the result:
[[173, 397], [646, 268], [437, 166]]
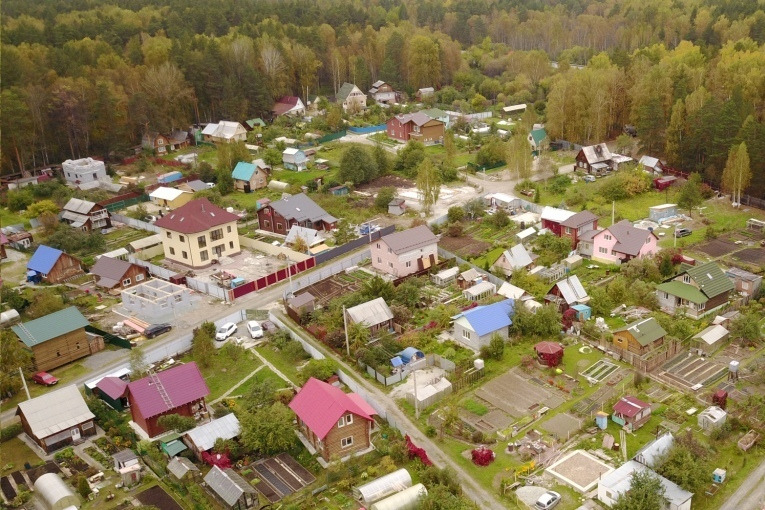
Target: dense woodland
[[88, 77]]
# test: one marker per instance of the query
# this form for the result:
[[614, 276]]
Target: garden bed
[[157, 497]]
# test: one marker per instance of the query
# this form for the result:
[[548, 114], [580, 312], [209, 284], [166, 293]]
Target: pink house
[[618, 243], [403, 253]]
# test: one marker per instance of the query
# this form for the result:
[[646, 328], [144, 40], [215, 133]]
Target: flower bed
[[95, 454]]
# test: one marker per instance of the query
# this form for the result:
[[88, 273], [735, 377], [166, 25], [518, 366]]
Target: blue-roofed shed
[[474, 328], [396, 361], [410, 354], [249, 176], [583, 312], [53, 266]]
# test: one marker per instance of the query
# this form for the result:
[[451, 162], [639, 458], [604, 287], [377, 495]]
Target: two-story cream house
[[198, 232], [403, 253], [351, 98]]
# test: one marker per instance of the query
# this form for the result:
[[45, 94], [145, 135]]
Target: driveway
[[751, 494]]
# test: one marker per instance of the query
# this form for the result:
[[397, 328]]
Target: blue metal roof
[[396, 362], [489, 318], [410, 353], [581, 308], [43, 259], [243, 171]]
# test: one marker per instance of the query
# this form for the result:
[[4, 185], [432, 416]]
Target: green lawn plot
[[598, 271], [259, 378], [66, 375], [384, 139], [284, 364], [462, 158], [15, 455], [302, 178], [249, 200], [353, 208], [489, 257], [224, 372], [12, 218], [121, 237]]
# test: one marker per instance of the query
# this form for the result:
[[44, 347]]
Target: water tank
[[733, 367], [8, 316], [478, 364]]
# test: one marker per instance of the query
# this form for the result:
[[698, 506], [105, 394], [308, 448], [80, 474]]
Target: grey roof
[[629, 238], [204, 436], [371, 313], [411, 239], [480, 288], [418, 118], [572, 290], [196, 185], [301, 208], [618, 482], [109, 269], [125, 455], [55, 411], [301, 300], [470, 275], [588, 235], [651, 454], [593, 156], [309, 235], [228, 485], [518, 257], [179, 466], [712, 334], [649, 161], [579, 219], [79, 206], [742, 275], [146, 242]]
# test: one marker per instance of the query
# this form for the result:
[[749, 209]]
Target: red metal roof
[[196, 216], [320, 406], [630, 406], [183, 384], [548, 348], [113, 387]]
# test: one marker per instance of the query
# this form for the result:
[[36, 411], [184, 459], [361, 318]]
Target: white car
[[547, 500], [225, 331], [255, 329]]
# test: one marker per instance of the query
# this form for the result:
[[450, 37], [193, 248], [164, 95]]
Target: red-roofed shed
[[113, 391], [549, 353], [333, 422], [178, 390], [631, 413]]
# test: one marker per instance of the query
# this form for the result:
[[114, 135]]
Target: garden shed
[[180, 466], [583, 312], [408, 499], [55, 494], [383, 487], [549, 353], [479, 291], [711, 338], [711, 418], [446, 276]]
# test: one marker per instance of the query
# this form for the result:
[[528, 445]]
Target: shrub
[[9, 432]]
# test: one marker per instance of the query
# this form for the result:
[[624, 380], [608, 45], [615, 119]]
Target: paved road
[[472, 490], [751, 494]]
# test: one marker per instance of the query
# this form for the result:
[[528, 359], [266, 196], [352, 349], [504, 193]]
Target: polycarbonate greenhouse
[[382, 487], [408, 499]]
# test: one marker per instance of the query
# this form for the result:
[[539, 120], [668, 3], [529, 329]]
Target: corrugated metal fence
[[132, 222], [352, 245], [368, 129]]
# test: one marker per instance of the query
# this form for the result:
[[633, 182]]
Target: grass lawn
[[249, 200], [12, 218], [224, 372], [302, 178], [65, 374], [260, 377], [285, 365], [15, 454], [490, 257]]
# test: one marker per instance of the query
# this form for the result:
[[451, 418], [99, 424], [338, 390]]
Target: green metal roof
[[538, 135], [683, 290], [173, 448], [170, 438], [50, 326], [645, 331], [710, 278]]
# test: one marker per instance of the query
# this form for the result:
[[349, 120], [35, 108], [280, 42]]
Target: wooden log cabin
[[52, 266]]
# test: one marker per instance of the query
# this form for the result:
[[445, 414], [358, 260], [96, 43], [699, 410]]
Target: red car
[[44, 378]]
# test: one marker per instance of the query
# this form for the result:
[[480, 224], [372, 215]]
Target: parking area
[[693, 371]]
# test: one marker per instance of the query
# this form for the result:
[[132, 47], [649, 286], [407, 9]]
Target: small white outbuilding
[[382, 487], [711, 418]]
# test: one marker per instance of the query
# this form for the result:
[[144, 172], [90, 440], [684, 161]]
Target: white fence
[[200, 286], [132, 222], [325, 272]]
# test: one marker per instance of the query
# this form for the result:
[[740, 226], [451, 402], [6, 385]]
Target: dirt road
[[751, 494]]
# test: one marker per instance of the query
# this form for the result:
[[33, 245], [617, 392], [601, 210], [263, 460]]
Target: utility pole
[[345, 327], [24, 382]]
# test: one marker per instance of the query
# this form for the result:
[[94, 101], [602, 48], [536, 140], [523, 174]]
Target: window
[[182, 239], [348, 419], [203, 255], [139, 277], [228, 229], [607, 237], [390, 251], [267, 223], [666, 296], [603, 250], [379, 260], [184, 255], [341, 422], [278, 226], [169, 235], [202, 241], [390, 264], [216, 234], [408, 263], [346, 442], [172, 251], [466, 334], [686, 278], [231, 244], [378, 245], [126, 282], [568, 230], [647, 239]]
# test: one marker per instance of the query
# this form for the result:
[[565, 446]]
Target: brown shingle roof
[[579, 219], [196, 216], [408, 240]]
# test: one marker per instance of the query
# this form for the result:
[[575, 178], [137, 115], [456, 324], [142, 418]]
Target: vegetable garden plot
[[599, 371]]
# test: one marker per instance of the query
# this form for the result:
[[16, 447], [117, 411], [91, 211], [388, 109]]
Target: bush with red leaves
[[217, 459], [416, 451], [482, 456]]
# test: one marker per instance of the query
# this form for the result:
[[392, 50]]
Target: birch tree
[[737, 173], [428, 185]]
